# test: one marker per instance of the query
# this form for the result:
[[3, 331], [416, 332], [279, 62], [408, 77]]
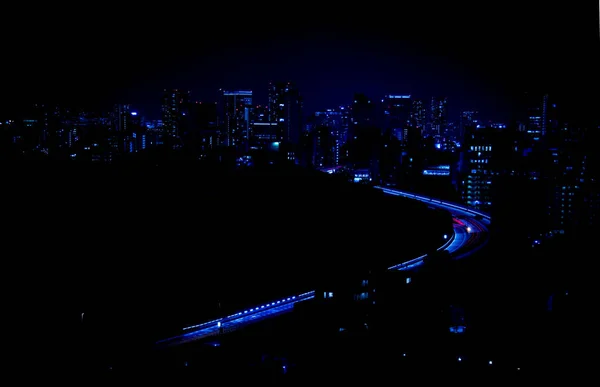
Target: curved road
[[470, 227], [470, 234]]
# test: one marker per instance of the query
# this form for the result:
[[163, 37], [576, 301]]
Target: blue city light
[[452, 243]]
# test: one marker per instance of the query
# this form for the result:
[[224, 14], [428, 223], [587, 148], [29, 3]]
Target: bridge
[[470, 234]]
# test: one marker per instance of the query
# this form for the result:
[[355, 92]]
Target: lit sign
[[239, 92], [435, 172]]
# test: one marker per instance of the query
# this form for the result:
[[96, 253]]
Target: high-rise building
[[202, 127], [537, 115], [175, 104], [571, 173], [518, 191], [468, 118], [477, 180], [418, 113], [120, 129], [364, 115], [396, 114], [285, 109], [235, 112], [264, 133], [126, 133], [327, 135], [363, 151], [438, 115]]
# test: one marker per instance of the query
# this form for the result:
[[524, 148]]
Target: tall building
[[364, 115], [324, 152], [478, 172], [264, 133], [468, 118], [363, 149], [419, 113], [518, 191], [285, 109], [235, 113], [537, 115], [396, 114], [438, 115], [413, 133], [120, 128], [327, 136], [202, 128], [572, 174], [175, 104], [126, 133]]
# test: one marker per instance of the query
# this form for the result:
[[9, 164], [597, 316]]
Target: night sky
[[476, 53]]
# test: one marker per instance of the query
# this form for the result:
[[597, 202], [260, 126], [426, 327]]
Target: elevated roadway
[[470, 234]]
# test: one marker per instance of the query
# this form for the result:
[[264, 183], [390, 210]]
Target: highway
[[470, 228], [454, 208], [237, 320], [470, 234]]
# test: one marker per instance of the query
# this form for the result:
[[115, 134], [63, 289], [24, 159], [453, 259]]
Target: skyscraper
[[468, 119], [235, 113], [438, 115], [175, 105], [285, 109], [397, 112]]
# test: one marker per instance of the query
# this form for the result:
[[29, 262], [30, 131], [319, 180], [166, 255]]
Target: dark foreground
[[514, 334]]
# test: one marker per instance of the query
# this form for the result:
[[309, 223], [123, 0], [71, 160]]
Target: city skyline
[[495, 57], [367, 192]]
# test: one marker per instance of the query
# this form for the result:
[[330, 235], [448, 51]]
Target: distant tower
[[285, 109], [438, 115], [235, 114], [468, 119], [397, 113], [175, 105]]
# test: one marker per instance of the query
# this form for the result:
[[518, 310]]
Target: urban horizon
[[299, 196]]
